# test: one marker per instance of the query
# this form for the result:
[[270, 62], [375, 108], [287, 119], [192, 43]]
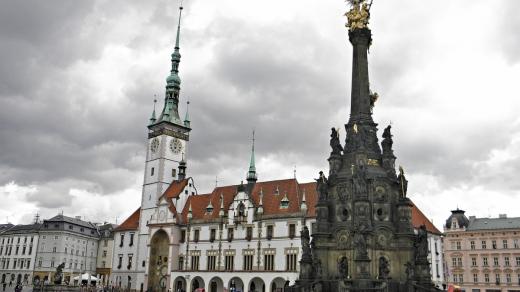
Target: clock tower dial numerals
[[154, 146], [176, 145]]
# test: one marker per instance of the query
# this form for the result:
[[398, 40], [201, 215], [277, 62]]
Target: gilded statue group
[[359, 15]]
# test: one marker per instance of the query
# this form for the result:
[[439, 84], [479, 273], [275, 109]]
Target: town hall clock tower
[[166, 152]]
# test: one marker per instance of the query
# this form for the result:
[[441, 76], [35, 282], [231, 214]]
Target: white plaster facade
[[18, 253], [67, 240]]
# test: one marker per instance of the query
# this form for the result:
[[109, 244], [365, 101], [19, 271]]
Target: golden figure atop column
[[359, 15]]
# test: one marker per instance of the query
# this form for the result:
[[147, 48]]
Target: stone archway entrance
[[216, 285], [158, 276], [278, 284], [236, 284], [197, 282], [257, 285], [180, 283]]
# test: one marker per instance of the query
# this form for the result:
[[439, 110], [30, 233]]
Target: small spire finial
[[187, 116], [153, 118], [251, 174]]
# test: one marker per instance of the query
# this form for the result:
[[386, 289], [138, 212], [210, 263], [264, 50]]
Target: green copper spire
[[251, 174], [170, 112]]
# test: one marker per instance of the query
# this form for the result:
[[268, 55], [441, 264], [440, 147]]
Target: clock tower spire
[[168, 137]]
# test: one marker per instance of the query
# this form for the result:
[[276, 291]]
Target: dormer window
[[209, 208], [284, 203]]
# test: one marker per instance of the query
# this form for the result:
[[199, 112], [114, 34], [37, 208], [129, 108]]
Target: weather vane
[[359, 15]]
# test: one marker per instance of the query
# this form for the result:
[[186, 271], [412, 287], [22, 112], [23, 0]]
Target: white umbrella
[[85, 277]]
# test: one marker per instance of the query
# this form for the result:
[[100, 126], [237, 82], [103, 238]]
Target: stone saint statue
[[410, 270], [358, 179], [360, 244], [334, 142], [343, 268], [387, 140], [421, 244], [403, 183], [384, 269], [58, 276], [321, 187], [305, 240]]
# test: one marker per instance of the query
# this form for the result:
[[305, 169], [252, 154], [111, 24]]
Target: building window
[[174, 172], [508, 278], [495, 261], [506, 261], [105, 243], [196, 234], [292, 230], [230, 234], [30, 249], [229, 262], [248, 262], [485, 261], [28, 264], [458, 245], [290, 262], [473, 262], [269, 232], [504, 244], [152, 171], [103, 264], [453, 262], [472, 244], [249, 233], [484, 244], [475, 278], [181, 263], [120, 263], [515, 243], [122, 240], [212, 234], [517, 259], [497, 279], [183, 236], [486, 278], [104, 253], [459, 262], [130, 256], [131, 239], [195, 263], [212, 263], [54, 249], [269, 262], [494, 244]]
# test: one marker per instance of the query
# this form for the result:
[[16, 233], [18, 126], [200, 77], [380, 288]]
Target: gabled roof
[[131, 223], [175, 189], [418, 219], [273, 192]]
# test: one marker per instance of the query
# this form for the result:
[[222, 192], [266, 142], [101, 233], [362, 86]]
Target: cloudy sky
[[78, 79]]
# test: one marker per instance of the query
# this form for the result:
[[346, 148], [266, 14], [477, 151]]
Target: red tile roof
[[273, 193], [131, 223], [418, 219], [175, 189]]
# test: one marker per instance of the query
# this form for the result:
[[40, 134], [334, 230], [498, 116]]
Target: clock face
[[175, 145], [154, 146]]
